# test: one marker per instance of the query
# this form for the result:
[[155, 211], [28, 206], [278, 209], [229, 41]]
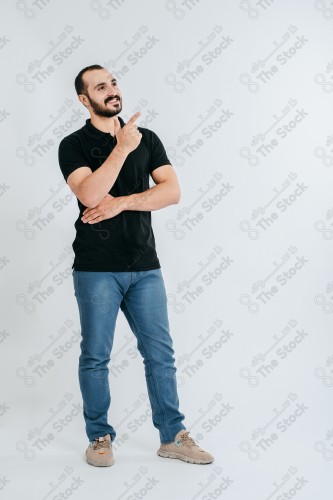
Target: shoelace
[[187, 440], [101, 444]]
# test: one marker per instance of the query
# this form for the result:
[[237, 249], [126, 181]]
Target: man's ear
[[84, 100]]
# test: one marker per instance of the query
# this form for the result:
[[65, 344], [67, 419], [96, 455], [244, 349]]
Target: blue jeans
[[142, 297]]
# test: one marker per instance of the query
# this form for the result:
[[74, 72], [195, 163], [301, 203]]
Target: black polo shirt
[[125, 242]]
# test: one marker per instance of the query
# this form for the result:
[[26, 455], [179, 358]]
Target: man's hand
[[128, 137], [109, 207]]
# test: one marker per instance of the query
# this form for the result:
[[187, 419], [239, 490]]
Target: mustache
[[112, 97]]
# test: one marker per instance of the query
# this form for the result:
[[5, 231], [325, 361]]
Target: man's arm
[[166, 192], [92, 187]]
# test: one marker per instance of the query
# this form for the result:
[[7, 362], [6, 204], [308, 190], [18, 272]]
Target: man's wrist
[[135, 201], [124, 202], [128, 201], [119, 150]]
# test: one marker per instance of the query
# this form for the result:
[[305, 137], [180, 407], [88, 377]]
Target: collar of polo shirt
[[95, 133]]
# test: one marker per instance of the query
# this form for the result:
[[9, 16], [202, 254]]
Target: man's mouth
[[113, 100]]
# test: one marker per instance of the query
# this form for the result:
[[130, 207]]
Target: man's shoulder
[[146, 131], [149, 136], [74, 138]]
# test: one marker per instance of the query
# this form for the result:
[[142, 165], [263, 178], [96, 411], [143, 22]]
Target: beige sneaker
[[99, 452], [184, 448]]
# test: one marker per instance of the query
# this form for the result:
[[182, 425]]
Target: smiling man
[[107, 164]]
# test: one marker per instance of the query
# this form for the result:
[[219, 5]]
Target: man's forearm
[[163, 194], [97, 185], [154, 198]]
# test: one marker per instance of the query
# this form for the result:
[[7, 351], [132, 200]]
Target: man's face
[[103, 94]]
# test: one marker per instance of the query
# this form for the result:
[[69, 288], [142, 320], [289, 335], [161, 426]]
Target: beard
[[105, 110]]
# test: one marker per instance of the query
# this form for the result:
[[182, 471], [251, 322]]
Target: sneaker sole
[[99, 464], [171, 454]]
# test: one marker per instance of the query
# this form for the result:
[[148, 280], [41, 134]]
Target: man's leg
[[145, 308], [98, 295]]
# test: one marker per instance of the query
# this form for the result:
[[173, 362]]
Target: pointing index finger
[[133, 118], [116, 124]]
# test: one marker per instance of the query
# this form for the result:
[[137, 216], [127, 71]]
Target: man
[[107, 164]]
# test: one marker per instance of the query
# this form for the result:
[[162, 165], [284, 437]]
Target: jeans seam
[[152, 362]]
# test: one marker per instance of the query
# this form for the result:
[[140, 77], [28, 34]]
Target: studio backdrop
[[241, 95]]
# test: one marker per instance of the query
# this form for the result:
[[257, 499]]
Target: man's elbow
[[86, 202], [176, 195], [90, 204], [86, 198]]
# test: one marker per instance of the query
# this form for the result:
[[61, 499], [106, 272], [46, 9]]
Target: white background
[[253, 336]]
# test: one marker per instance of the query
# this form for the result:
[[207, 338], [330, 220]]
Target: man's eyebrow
[[103, 83]]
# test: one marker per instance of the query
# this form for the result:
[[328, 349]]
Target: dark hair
[[79, 85]]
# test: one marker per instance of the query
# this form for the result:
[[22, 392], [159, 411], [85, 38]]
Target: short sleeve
[[158, 156], [70, 155]]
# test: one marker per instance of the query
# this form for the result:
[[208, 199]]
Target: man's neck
[[103, 123]]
